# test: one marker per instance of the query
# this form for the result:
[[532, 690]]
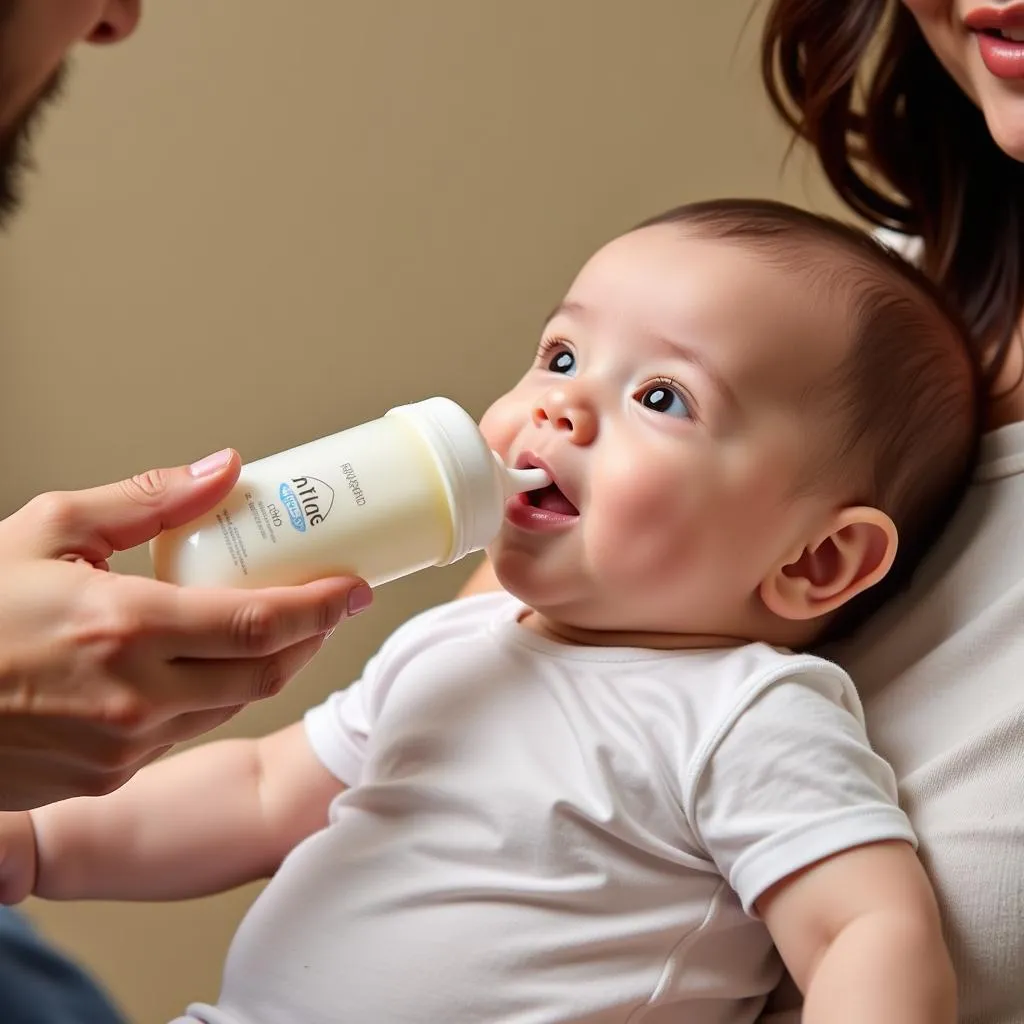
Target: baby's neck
[[574, 636]]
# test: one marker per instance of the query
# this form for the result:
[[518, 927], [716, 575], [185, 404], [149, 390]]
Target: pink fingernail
[[359, 599], [204, 467]]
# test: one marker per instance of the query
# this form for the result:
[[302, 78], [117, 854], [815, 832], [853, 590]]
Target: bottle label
[[307, 501], [353, 484], [369, 501], [303, 503]]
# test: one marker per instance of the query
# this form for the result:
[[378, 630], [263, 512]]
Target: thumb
[[94, 523]]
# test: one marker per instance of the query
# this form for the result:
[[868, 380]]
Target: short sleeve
[[789, 779], [338, 729]]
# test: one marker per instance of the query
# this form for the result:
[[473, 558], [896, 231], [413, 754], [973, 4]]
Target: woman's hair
[[906, 149]]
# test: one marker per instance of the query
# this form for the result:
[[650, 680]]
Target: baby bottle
[[415, 488]]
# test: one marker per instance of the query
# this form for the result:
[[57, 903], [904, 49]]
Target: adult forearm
[[883, 968], [187, 826]]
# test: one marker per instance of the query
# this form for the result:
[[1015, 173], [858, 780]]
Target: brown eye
[[664, 399], [562, 362]]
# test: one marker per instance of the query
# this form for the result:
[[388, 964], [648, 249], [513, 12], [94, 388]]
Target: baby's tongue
[[551, 499]]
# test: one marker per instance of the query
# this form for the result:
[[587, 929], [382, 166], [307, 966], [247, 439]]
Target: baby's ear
[[854, 552]]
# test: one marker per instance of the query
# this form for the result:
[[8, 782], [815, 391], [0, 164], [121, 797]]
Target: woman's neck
[[1009, 408], [1007, 405]]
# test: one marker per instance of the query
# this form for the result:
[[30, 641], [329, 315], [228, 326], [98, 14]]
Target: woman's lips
[[1000, 35], [1004, 58]]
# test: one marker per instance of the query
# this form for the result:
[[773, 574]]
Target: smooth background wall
[[258, 223]]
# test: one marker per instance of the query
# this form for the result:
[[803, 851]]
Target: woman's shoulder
[[941, 677], [942, 661]]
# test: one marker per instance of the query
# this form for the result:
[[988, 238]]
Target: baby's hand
[[17, 856]]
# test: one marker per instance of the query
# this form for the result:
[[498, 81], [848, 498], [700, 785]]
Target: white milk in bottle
[[415, 488]]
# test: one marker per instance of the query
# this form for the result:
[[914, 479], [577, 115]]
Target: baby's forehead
[[759, 308], [806, 275]]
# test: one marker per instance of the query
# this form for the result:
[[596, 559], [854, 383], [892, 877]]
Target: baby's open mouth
[[551, 499]]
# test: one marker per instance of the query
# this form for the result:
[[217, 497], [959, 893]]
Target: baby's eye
[[665, 398], [561, 360]]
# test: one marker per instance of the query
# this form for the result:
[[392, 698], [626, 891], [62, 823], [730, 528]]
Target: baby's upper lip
[[530, 460], [991, 18]]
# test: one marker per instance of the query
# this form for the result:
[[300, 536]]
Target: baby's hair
[[907, 399]]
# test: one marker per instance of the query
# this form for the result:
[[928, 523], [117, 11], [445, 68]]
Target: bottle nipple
[[515, 481]]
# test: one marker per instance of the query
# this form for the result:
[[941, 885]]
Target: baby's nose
[[567, 410]]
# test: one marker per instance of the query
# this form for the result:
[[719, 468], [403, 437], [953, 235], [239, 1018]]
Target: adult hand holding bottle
[[100, 673]]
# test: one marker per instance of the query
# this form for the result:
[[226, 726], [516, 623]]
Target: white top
[[941, 674], [538, 833]]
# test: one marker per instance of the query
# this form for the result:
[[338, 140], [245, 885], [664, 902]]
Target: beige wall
[[259, 222]]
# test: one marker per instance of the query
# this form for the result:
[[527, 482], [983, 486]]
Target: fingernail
[[359, 599], [204, 467]]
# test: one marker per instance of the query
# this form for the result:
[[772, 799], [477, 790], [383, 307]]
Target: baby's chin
[[516, 575], [552, 583], [566, 609], [529, 581], [576, 616]]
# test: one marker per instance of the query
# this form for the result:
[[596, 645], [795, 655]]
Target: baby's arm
[[861, 935], [202, 821]]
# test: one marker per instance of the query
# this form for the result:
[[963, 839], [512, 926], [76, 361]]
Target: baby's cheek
[[501, 424], [636, 490], [643, 527]]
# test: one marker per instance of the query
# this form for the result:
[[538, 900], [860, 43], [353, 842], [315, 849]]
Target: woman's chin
[[1004, 115]]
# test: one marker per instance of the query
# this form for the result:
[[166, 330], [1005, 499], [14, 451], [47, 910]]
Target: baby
[[609, 795]]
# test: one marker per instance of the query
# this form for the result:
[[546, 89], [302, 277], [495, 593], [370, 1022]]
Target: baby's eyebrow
[[697, 359], [570, 307], [566, 306]]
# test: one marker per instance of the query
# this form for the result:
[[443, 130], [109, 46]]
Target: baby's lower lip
[[519, 512]]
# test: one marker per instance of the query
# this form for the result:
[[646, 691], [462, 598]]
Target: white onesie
[[537, 833]]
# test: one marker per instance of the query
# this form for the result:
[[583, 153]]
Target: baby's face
[[667, 402]]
